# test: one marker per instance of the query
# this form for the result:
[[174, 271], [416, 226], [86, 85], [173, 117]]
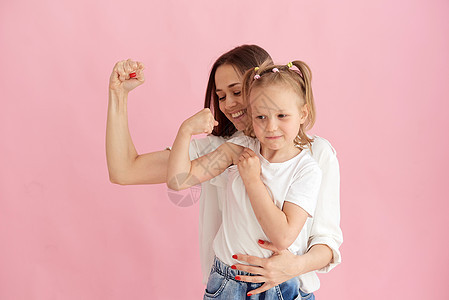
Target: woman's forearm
[[125, 165], [318, 257], [179, 164]]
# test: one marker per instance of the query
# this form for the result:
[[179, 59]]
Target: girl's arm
[[183, 173], [281, 226], [125, 165], [324, 241]]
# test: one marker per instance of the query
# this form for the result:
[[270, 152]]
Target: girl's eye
[[237, 93], [282, 115], [221, 98]]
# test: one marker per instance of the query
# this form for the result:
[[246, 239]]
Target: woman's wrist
[[118, 101], [185, 129], [118, 94], [299, 265], [318, 257]]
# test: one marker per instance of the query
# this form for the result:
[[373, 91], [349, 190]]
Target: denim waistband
[[226, 270]]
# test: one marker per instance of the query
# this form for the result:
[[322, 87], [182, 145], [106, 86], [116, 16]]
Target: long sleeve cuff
[[334, 245]]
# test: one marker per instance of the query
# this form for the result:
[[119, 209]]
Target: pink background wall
[[381, 74]]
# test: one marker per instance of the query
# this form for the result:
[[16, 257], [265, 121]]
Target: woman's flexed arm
[[183, 173], [125, 165]]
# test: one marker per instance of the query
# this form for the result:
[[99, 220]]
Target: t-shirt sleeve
[[305, 187], [244, 141], [326, 223], [203, 146]]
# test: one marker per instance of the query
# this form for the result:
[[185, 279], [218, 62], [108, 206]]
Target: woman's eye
[[221, 98], [260, 117], [237, 93], [282, 115]]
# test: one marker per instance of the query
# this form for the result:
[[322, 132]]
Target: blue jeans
[[222, 285], [305, 296]]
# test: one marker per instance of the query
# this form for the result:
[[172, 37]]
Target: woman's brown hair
[[242, 58]]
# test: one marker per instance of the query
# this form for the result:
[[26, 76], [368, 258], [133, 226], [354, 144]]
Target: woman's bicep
[[148, 168]]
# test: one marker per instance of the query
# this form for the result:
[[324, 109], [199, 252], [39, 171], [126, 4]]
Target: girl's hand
[[201, 122], [280, 267], [120, 80], [249, 165]]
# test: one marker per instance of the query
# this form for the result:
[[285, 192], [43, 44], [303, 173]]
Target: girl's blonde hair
[[298, 79]]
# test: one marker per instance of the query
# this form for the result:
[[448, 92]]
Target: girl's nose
[[271, 125]]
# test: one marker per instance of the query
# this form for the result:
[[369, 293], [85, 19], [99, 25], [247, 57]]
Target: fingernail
[[132, 75], [233, 267], [261, 242], [234, 256], [237, 277], [249, 294]]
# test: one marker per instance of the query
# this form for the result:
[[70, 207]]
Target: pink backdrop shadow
[[380, 81]]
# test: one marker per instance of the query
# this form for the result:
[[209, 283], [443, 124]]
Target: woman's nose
[[230, 102]]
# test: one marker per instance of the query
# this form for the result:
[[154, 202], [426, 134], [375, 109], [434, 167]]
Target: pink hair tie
[[275, 70], [257, 76]]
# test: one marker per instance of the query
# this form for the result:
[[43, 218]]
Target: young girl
[[275, 188]]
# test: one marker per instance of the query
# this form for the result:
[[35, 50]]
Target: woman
[[223, 96]]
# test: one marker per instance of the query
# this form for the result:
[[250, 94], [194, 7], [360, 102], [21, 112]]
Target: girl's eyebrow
[[229, 86]]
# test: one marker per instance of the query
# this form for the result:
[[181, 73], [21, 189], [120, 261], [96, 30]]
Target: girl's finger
[[250, 152], [244, 156]]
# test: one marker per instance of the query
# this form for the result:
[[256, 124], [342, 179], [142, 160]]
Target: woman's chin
[[240, 123], [240, 126]]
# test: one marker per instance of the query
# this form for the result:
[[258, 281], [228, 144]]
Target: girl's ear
[[304, 112]]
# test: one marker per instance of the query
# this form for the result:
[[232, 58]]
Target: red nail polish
[[261, 242], [132, 75], [249, 294], [233, 267], [234, 256], [237, 277]]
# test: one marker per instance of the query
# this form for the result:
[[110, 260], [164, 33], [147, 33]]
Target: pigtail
[[306, 75], [247, 83], [305, 79]]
